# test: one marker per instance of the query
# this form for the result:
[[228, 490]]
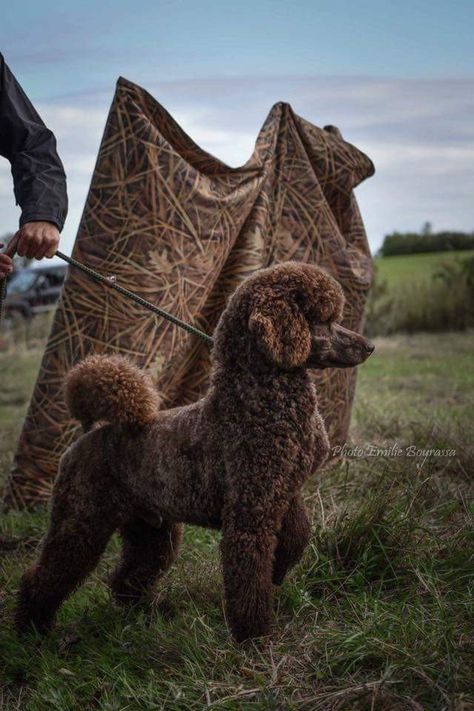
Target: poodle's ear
[[282, 332]]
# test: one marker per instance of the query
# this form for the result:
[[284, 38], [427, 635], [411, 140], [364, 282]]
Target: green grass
[[379, 614], [400, 270], [422, 292], [428, 375]]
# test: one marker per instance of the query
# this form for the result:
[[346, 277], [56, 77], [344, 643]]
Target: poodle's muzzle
[[333, 346]]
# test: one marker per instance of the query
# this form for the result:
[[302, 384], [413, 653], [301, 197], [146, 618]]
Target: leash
[[112, 284], [10, 250]]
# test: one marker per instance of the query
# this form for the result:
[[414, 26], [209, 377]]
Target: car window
[[56, 278], [21, 281]]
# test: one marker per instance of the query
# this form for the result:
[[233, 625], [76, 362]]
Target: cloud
[[419, 133]]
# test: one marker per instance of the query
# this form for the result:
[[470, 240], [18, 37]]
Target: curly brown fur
[[110, 388], [234, 460]]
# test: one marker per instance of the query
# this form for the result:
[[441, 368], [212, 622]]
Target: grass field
[[379, 614], [400, 270]]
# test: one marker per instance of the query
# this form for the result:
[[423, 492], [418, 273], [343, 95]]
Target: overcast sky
[[397, 77]]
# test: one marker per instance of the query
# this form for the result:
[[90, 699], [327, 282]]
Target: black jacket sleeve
[[38, 174]]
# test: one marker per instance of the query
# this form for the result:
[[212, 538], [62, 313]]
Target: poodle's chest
[[291, 435]]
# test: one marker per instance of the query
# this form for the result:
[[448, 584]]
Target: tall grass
[[18, 334], [377, 617]]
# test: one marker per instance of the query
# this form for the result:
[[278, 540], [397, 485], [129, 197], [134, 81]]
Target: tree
[[425, 241]]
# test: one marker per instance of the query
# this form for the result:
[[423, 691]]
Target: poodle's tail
[[110, 388]]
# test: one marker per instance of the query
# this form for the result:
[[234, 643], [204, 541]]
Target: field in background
[[378, 616], [421, 292], [411, 293], [399, 271]]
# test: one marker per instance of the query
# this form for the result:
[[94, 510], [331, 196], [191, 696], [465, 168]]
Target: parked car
[[34, 291]]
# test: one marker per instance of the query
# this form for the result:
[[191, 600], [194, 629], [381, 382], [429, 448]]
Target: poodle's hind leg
[[293, 538], [148, 551], [71, 550]]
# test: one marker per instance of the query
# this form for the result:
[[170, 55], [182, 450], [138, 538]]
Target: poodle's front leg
[[247, 556], [293, 538]]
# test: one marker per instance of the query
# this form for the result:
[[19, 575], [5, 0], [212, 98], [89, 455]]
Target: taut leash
[[112, 284]]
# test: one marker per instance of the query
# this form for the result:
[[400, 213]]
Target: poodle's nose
[[369, 347]]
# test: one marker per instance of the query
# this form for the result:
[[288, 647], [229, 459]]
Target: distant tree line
[[425, 241]]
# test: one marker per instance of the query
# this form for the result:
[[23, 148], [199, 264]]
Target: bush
[[444, 303]]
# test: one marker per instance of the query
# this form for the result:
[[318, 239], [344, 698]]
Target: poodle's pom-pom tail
[[110, 388]]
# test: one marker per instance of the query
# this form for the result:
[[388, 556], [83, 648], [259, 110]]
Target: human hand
[[36, 240], [6, 264]]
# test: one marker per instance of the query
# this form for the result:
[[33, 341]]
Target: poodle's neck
[[264, 379], [241, 370]]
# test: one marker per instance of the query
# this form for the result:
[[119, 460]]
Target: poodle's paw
[[125, 592], [244, 632], [26, 621], [253, 624], [34, 612], [279, 575]]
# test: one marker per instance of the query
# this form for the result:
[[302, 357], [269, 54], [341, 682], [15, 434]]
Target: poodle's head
[[288, 315]]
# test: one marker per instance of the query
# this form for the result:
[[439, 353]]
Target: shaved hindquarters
[[85, 513], [70, 552]]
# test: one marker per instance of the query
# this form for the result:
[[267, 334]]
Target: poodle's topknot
[[110, 388]]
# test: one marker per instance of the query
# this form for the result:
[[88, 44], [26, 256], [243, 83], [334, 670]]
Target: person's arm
[[38, 174]]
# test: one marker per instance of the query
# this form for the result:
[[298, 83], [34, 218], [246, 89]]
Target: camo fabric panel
[[182, 229]]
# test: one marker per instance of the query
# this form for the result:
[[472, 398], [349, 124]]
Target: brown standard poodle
[[235, 460]]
